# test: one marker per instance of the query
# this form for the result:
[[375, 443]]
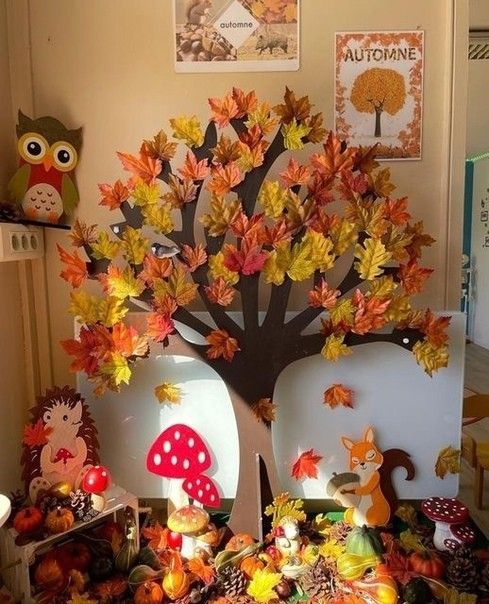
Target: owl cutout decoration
[[44, 184]]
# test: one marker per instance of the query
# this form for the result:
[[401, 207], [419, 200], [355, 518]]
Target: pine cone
[[233, 581], [463, 574], [340, 531], [484, 580], [318, 582], [467, 554]]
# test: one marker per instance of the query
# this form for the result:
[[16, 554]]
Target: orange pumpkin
[[49, 574], [149, 593], [239, 541], [250, 565], [59, 520], [427, 564], [28, 520]]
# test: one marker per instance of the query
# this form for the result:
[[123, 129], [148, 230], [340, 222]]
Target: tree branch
[[248, 288]]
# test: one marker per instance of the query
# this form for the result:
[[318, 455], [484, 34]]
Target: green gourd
[[353, 566], [128, 554], [364, 541]]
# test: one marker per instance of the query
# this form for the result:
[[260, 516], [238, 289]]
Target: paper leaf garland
[[338, 395], [447, 462], [306, 465], [168, 393]]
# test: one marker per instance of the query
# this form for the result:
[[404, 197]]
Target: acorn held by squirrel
[[197, 11]]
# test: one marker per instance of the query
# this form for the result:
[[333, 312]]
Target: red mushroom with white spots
[[446, 514], [461, 534], [202, 489], [178, 454]]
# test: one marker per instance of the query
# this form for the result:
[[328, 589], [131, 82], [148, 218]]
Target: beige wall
[[12, 374], [107, 65], [479, 14]]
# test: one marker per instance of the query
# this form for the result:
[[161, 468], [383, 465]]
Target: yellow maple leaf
[[111, 310], [411, 542], [381, 183], [222, 214], [178, 287], [123, 284], [159, 218], [218, 269], [273, 198], [407, 514], [301, 263], [293, 134], [188, 129], [168, 392], [104, 247], [399, 309], [342, 312], [331, 549], [145, 194], [447, 462], [134, 245], [261, 117], [334, 348], [261, 586], [343, 235], [264, 410], [117, 369], [383, 286], [84, 306], [370, 257], [320, 250], [277, 263], [429, 357]]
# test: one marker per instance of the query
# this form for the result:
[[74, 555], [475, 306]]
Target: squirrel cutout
[[197, 11], [367, 490]]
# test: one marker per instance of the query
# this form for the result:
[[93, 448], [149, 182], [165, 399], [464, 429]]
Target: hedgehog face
[[63, 419]]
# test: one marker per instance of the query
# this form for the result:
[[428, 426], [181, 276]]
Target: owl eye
[[64, 156], [32, 147]]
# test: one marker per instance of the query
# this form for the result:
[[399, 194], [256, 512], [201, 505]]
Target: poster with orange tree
[[379, 91]]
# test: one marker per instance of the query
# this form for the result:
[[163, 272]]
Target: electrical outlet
[[19, 242]]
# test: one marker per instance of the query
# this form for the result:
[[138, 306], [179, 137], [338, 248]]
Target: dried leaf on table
[[448, 462], [338, 395], [306, 465], [264, 410], [168, 393]]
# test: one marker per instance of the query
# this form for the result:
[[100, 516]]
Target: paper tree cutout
[[43, 187], [254, 232], [60, 444], [181, 455]]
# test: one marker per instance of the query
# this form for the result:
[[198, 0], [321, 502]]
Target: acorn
[[283, 590]]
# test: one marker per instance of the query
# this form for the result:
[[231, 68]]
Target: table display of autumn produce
[[302, 559]]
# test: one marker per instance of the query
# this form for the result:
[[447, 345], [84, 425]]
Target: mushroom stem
[[188, 546], [442, 532], [177, 498]]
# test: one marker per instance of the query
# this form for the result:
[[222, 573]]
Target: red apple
[[175, 540], [96, 480]]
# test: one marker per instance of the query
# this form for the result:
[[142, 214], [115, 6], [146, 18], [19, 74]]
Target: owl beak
[[47, 163]]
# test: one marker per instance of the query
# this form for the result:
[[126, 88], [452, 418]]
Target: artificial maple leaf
[[193, 169], [122, 283], [159, 326], [75, 271], [113, 195], [165, 304], [396, 211], [306, 465], [323, 296], [411, 542], [81, 234], [134, 245], [435, 329], [396, 565], [429, 357], [419, 239], [178, 287], [260, 116], [92, 347], [447, 462], [371, 255], [144, 168], [293, 134], [117, 369], [278, 233], [217, 269], [335, 158], [292, 108], [84, 306], [158, 217], [224, 178], [36, 435], [245, 102], [143, 194], [169, 393], [261, 587], [159, 147], [111, 310], [338, 395], [223, 213], [343, 234], [365, 159], [413, 277], [264, 410], [226, 150], [250, 157], [316, 132], [248, 260], [194, 256], [242, 226], [128, 342], [181, 192], [204, 572], [272, 197], [223, 110], [334, 347], [188, 129], [221, 344], [155, 268], [157, 536], [295, 174], [380, 183], [219, 292], [103, 247]]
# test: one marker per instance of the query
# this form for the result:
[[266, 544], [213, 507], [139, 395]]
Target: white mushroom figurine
[[451, 519]]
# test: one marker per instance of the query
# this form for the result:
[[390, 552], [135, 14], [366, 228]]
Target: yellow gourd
[[353, 566]]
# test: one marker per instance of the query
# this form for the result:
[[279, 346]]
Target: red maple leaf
[[306, 465], [248, 260], [36, 434]]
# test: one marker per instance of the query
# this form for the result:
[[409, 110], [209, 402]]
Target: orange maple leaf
[[435, 329], [338, 394], [264, 410], [75, 271], [36, 434], [113, 196], [194, 256], [224, 178], [221, 345], [323, 296], [295, 174], [370, 312], [160, 326], [155, 268], [145, 168], [413, 277], [245, 102], [335, 158], [157, 536], [128, 342], [82, 234], [219, 292], [396, 211], [223, 110], [203, 571], [193, 169], [293, 108], [242, 226], [306, 465], [248, 260], [165, 304]]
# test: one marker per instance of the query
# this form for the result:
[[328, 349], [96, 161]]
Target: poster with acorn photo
[[379, 91], [236, 35]]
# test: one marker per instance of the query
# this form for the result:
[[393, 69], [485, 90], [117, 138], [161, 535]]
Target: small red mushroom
[[464, 534], [444, 513], [178, 453], [96, 480], [63, 455], [202, 489]]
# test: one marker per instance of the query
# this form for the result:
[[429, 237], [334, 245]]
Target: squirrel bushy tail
[[394, 458]]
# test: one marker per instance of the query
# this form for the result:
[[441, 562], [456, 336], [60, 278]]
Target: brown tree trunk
[[378, 131]]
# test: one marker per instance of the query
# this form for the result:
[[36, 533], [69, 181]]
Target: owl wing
[[18, 184], [69, 194]]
